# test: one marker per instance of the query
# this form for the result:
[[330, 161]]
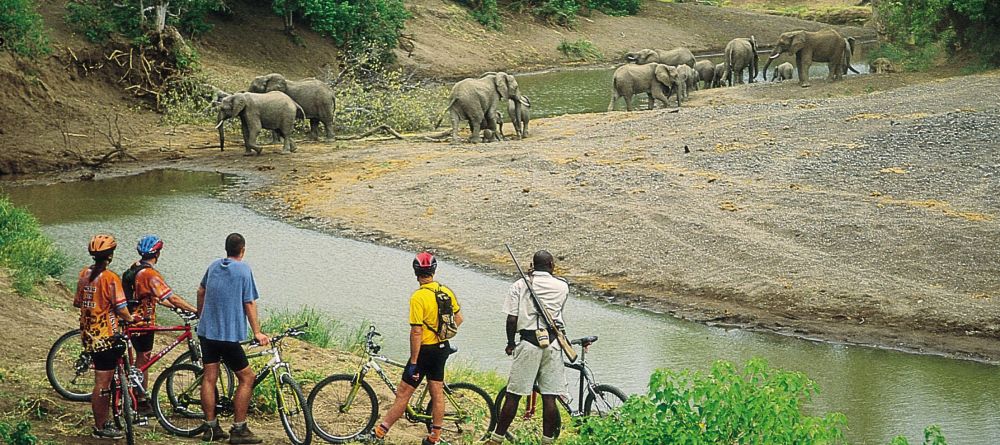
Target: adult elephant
[[741, 54], [478, 101], [812, 46], [706, 72], [674, 57], [272, 111], [314, 96], [654, 79]]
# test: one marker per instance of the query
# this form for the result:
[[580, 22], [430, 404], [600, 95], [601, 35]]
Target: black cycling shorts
[[143, 343], [229, 352], [107, 359], [430, 363]]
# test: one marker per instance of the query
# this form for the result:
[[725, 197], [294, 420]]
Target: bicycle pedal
[[141, 421]]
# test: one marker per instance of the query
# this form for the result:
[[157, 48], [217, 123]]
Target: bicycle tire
[[300, 433], [69, 369], [126, 412], [525, 428], [330, 420], [227, 378], [178, 409], [608, 405], [473, 411]]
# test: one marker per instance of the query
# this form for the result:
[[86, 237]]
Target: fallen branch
[[395, 134]]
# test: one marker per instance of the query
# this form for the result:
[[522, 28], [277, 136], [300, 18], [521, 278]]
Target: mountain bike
[[593, 398], [70, 369], [177, 395], [345, 406]]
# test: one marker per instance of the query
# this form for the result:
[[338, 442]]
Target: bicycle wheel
[[342, 409], [527, 424], [125, 413], [468, 412], [227, 378], [69, 369], [176, 400], [608, 398], [293, 410]]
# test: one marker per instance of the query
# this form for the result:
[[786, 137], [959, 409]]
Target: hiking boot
[[108, 432], [144, 408], [212, 433], [243, 435]]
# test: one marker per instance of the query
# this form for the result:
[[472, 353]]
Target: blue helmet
[[149, 245]]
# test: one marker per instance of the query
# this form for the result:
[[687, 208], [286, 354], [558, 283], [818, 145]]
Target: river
[[883, 393]]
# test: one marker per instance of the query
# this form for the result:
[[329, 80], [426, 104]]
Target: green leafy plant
[[30, 255], [909, 57], [956, 24], [100, 20], [21, 29], [932, 436], [558, 12], [617, 7], [358, 25], [580, 50], [323, 331], [19, 434]]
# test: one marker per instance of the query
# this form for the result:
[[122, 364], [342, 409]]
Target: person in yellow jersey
[[428, 353]]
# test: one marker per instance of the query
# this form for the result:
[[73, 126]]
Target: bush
[[580, 50], [21, 29], [932, 436], [487, 14], [909, 58], [28, 253], [100, 20], [725, 405], [19, 434], [559, 12], [957, 24], [359, 26], [617, 7]]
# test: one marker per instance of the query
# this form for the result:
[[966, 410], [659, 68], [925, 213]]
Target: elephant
[[272, 111], [686, 79], [808, 46], [706, 72], [848, 54], [881, 65], [518, 118], [653, 79], [314, 96], [674, 57], [741, 54], [477, 101], [718, 78], [783, 72], [490, 136]]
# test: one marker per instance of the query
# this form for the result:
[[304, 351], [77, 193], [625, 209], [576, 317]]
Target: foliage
[[486, 13], [558, 12], [910, 58], [21, 29], [932, 436], [724, 405], [101, 20], [19, 434], [322, 331], [370, 94], [188, 102], [28, 253], [358, 25], [617, 7], [958, 24], [580, 50]]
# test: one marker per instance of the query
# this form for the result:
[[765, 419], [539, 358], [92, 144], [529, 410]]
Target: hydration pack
[[447, 328], [128, 283]]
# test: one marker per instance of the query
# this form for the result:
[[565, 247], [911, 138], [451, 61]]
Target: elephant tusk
[[774, 56], [219, 124]]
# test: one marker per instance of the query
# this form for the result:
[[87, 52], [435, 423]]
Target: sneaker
[[143, 408], [108, 432], [212, 433], [243, 435]]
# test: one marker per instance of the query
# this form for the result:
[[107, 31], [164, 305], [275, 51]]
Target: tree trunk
[[161, 16]]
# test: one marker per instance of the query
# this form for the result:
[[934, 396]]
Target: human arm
[[416, 339], [511, 330], [177, 302], [250, 309], [201, 299]]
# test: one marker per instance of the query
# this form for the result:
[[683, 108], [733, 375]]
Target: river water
[[883, 393]]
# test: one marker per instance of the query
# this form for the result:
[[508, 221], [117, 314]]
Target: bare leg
[[99, 398], [241, 400], [550, 416], [403, 394], [507, 413], [208, 390]]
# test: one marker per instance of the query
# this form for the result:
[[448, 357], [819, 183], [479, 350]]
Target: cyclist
[[101, 301], [427, 354], [532, 362], [227, 301], [147, 288]]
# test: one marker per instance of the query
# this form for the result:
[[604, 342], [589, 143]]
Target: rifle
[[549, 322]]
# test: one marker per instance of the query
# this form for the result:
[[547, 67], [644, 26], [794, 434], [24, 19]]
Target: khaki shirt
[[552, 293]]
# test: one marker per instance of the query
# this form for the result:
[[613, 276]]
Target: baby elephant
[[687, 78], [272, 111], [783, 72], [519, 120]]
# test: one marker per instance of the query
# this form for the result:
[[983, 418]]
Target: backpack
[[447, 328], [128, 283]]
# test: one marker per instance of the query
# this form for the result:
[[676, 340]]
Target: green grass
[[580, 50], [30, 255], [323, 331]]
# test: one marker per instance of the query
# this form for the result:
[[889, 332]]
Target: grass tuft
[[30, 255]]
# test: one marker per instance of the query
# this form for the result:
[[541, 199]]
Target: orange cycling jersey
[[150, 289], [98, 300]]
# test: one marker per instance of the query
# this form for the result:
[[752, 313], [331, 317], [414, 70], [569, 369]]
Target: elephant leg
[[803, 66], [328, 126], [475, 127], [247, 142], [454, 126], [314, 129], [491, 124], [652, 102], [251, 142], [628, 102]]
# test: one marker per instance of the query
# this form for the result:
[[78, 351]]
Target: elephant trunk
[[769, 59]]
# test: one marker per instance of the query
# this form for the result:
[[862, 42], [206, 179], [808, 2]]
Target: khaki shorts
[[536, 365]]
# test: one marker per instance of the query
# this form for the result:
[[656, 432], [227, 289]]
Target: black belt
[[528, 335]]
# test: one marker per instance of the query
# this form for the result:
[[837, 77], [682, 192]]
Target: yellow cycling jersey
[[424, 310]]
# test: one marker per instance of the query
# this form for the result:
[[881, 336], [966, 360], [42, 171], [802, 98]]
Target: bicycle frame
[[586, 383]]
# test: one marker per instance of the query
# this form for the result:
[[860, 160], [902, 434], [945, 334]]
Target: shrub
[[617, 7], [724, 405], [21, 29], [359, 26], [19, 434], [958, 24], [100, 20], [487, 14], [29, 254], [932, 436], [558, 12], [910, 58], [580, 50]]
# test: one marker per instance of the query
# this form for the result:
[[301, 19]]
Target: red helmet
[[424, 264], [102, 245]]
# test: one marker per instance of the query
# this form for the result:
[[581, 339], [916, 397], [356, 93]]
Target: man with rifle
[[538, 356]]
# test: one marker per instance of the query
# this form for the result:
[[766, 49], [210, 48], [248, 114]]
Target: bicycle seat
[[585, 341]]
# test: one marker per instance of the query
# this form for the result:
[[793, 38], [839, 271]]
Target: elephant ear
[[239, 103], [666, 74], [798, 42], [501, 82], [276, 82]]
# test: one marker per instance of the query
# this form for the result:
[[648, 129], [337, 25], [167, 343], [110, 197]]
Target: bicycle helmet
[[149, 245], [102, 245], [424, 264]]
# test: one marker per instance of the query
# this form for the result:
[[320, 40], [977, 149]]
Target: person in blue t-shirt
[[226, 303]]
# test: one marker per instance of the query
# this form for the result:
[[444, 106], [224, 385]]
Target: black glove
[[410, 372]]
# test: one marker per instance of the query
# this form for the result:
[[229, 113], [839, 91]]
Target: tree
[[356, 25], [959, 24], [21, 29]]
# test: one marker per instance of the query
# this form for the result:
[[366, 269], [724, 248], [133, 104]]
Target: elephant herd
[[660, 74]]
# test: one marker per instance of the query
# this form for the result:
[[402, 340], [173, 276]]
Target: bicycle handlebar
[[290, 332], [185, 315]]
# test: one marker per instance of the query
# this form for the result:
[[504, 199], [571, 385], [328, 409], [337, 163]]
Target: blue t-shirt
[[228, 285]]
